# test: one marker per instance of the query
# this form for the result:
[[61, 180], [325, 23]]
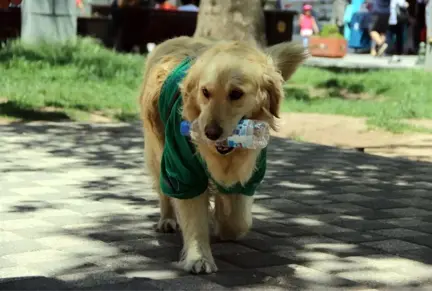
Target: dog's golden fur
[[218, 69]]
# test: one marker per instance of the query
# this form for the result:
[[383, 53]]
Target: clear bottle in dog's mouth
[[250, 134]]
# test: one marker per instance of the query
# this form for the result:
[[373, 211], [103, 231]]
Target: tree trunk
[[48, 21], [232, 20], [429, 35]]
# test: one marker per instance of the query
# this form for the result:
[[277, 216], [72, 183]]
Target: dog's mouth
[[223, 150]]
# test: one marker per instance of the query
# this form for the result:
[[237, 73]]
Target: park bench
[[140, 26], [10, 23]]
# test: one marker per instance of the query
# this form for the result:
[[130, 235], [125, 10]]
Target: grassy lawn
[[71, 81]]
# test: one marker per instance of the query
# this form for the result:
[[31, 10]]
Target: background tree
[[429, 35], [48, 20], [232, 20]]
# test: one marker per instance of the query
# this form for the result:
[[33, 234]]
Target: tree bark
[[429, 35], [48, 21], [232, 20]]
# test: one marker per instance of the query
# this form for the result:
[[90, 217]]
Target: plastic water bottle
[[250, 134]]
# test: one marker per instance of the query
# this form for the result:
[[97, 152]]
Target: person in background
[[15, 3], [308, 25], [80, 5], [397, 26], [164, 5], [338, 11], [379, 25], [188, 5], [347, 20]]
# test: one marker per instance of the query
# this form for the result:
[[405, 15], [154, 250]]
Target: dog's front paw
[[167, 225], [200, 266]]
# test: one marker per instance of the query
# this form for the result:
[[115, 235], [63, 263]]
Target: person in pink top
[[308, 25]]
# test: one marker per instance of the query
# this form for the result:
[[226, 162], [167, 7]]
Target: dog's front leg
[[233, 215], [193, 216]]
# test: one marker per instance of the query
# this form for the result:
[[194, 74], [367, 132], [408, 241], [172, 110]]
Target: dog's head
[[234, 80]]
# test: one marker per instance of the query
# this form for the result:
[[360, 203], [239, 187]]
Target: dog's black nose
[[213, 131]]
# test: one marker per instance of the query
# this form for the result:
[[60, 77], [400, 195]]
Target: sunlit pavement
[[365, 61], [77, 212]]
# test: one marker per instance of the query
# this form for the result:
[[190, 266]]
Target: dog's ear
[[189, 89], [284, 58], [287, 56], [272, 91]]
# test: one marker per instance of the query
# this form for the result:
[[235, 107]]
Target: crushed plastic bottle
[[250, 134]]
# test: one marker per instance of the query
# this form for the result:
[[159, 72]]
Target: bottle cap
[[185, 128]]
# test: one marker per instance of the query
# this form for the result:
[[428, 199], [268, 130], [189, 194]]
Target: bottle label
[[242, 127], [240, 141]]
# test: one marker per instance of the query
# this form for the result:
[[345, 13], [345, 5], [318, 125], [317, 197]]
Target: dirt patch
[[351, 132], [309, 92]]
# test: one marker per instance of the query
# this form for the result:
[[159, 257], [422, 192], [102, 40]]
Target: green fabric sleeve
[[251, 186], [182, 175]]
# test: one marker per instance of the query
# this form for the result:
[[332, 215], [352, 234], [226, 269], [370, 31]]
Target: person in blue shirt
[[379, 24], [188, 5]]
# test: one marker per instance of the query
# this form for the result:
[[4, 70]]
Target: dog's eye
[[205, 92], [235, 94]]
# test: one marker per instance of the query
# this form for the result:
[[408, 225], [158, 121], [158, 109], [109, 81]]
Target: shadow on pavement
[[324, 219]]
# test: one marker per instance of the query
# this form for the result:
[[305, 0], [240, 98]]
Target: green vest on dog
[[184, 174]]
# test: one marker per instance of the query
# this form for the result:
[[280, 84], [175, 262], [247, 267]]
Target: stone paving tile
[[393, 245], [357, 237], [363, 225], [41, 282], [400, 233], [20, 246], [409, 212], [253, 259], [419, 255], [188, 283], [132, 285], [238, 278], [77, 211], [90, 279], [266, 245], [349, 198], [423, 240], [376, 278], [18, 272], [305, 275], [261, 287], [381, 203]]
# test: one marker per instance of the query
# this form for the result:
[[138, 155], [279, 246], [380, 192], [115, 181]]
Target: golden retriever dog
[[225, 82]]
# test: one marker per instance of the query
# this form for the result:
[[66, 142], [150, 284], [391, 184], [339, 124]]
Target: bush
[[331, 30]]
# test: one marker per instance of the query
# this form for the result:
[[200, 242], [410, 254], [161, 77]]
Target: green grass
[[391, 95], [85, 77]]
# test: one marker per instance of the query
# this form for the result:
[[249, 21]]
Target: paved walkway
[[364, 61], [76, 211]]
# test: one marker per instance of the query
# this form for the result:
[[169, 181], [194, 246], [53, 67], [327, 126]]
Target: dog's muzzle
[[223, 150]]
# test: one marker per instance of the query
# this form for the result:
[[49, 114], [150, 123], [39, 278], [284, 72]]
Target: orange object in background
[[328, 47], [166, 6]]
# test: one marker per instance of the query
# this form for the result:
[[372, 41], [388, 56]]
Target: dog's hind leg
[[167, 222], [233, 215], [153, 153], [193, 217]]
